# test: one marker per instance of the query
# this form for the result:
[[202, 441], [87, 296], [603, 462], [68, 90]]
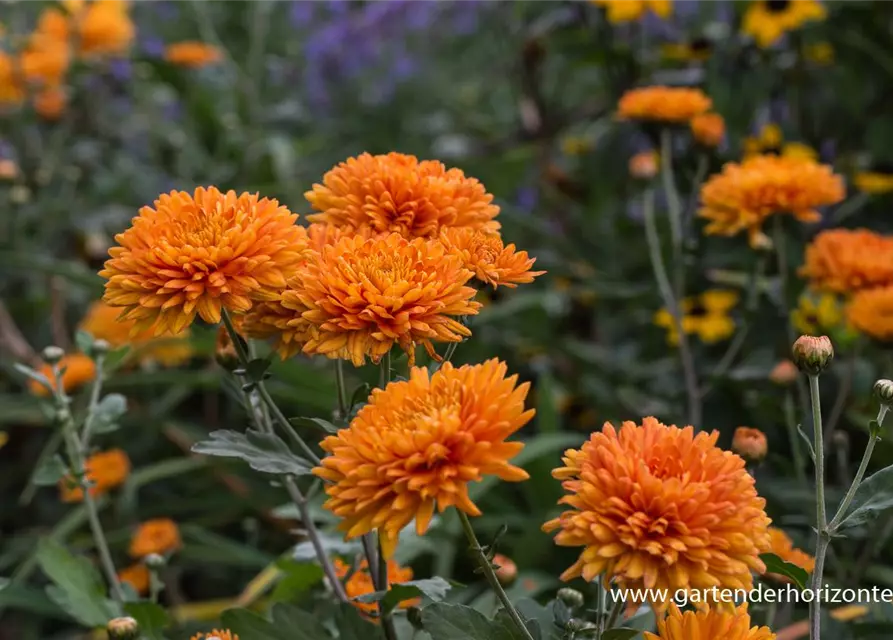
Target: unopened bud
[[784, 373], [883, 391], [572, 598], [101, 346], [52, 354], [225, 351], [813, 354], [578, 625], [750, 444], [154, 561], [644, 165], [506, 569], [123, 629]]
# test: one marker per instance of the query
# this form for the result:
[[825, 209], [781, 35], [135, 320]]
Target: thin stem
[[385, 375], [490, 575], [794, 437], [600, 608], [823, 537], [860, 473], [614, 616], [672, 304], [843, 394], [94, 402], [669, 185], [342, 390]]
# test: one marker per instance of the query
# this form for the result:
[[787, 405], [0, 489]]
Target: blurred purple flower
[[121, 69], [152, 46], [301, 12], [526, 198], [165, 10]]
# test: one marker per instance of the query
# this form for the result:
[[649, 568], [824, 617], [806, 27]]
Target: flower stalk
[[823, 535]]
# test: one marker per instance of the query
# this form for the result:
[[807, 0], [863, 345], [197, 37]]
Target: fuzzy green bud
[[571, 598], [812, 354], [123, 629], [883, 391], [154, 561], [52, 354], [100, 347]]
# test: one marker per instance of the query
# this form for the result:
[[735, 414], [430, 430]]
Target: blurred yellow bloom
[[817, 315], [706, 316], [630, 10], [873, 182], [768, 20], [698, 49], [820, 53], [799, 150]]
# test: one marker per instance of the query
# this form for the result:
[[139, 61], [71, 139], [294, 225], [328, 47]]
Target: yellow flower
[[709, 624], [799, 150], [818, 315], [675, 105], [874, 182], [619, 11], [767, 20], [192, 54], [770, 140], [706, 316], [820, 53], [698, 49]]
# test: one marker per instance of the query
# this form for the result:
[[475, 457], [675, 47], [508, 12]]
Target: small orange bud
[[8, 169], [784, 373], [506, 569], [708, 129], [225, 350], [813, 354], [750, 444], [644, 165]]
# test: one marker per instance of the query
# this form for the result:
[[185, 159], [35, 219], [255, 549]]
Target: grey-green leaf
[[151, 618], [873, 496], [317, 424], [50, 472], [107, 413], [77, 587], [445, 621], [352, 626], [301, 625], [808, 442], [263, 452], [434, 588]]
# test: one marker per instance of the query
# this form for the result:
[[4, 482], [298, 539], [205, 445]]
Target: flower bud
[[572, 598], [154, 561], [784, 373], [883, 391], [8, 169], [506, 569], [123, 629], [52, 354], [812, 354], [644, 165], [750, 444], [100, 346], [225, 351]]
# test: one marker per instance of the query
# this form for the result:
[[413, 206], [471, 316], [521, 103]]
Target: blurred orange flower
[[658, 507], [101, 27], [663, 104], [216, 634], [418, 443], [398, 193], [783, 547], [484, 253], [78, 370], [847, 260], [160, 535], [192, 54], [750, 444], [644, 165], [709, 624], [744, 195], [12, 90], [104, 470], [708, 129], [50, 102], [871, 312], [200, 254], [137, 576], [360, 583]]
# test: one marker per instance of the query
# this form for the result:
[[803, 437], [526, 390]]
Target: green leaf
[[457, 622], [352, 626], [297, 579], [299, 624], [433, 588], [50, 472], [108, 411], [551, 621], [873, 496], [774, 564], [808, 442], [24, 598], [256, 369], [151, 617], [621, 633], [77, 587], [317, 424], [547, 418], [263, 452], [84, 341], [247, 624], [31, 373]]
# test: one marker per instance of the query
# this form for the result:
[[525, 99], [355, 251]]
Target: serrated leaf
[[151, 618], [50, 472], [873, 496], [774, 564], [263, 452], [621, 633], [433, 588], [107, 413], [334, 545], [445, 621], [77, 587], [317, 424]]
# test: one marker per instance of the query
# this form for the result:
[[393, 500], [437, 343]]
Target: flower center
[[701, 45], [777, 6], [697, 311]]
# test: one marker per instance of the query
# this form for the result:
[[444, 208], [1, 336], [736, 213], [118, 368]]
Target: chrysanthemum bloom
[[875, 182], [676, 105], [661, 508], [709, 624], [104, 470], [708, 129], [137, 576], [750, 444], [47, 55], [744, 195], [226, 634], [358, 298], [644, 165], [619, 11], [169, 350], [192, 54], [783, 547], [160, 535], [101, 27], [398, 193], [360, 583], [417, 445], [706, 316], [492, 262], [847, 260], [767, 20], [871, 312], [200, 254], [77, 370]]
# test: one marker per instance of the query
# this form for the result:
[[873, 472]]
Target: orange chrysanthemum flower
[[871, 312], [485, 255], [708, 129], [102, 27], [360, 297], [192, 54], [160, 535], [847, 260], [169, 350], [360, 583], [709, 624], [47, 56], [200, 254], [783, 547], [105, 470], [50, 103], [137, 576], [417, 445], [750, 444], [398, 193], [744, 195], [219, 634], [77, 370], [663, 104], [659, 507]]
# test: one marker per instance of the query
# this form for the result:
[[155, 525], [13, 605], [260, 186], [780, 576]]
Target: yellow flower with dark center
[[491, 261], [658, 507], [766, 21], [417, 445], [871, 312], [707, 316], [672, 105], [770, 140], [619, 11], [744, 195], [709, 624], [818, 315], [698, 49]]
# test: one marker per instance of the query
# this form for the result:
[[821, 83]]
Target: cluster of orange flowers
[[160, 536], [675, 106], [858, 264]]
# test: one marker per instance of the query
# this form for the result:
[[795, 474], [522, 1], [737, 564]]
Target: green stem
[[823, 537], [342, 389], [672, 195], [94, 403], [385, 375], [614, 616], [487, 569]]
